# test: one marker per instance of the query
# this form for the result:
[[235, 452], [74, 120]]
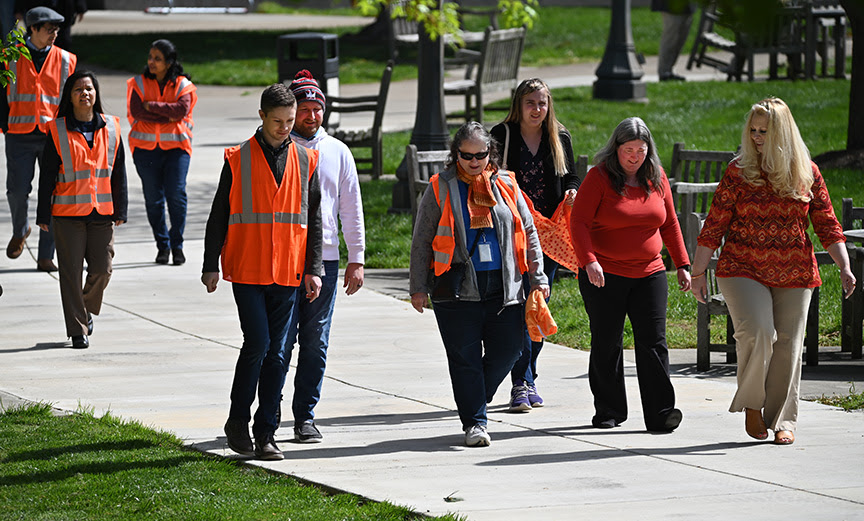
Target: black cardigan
[[570, 181]]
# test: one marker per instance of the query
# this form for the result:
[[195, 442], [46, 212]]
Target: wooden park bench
[[404, 32], [495, 68], [421, 166], [371, 137]]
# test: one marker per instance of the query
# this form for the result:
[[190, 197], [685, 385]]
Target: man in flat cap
[[26, 106]]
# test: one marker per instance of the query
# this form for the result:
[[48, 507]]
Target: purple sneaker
[[519, 399], [534, 398]]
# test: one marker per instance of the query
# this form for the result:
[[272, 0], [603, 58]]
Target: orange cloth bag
[[555, 235], [538, 318]]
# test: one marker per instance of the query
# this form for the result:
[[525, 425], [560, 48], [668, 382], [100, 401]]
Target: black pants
[[643, 300]]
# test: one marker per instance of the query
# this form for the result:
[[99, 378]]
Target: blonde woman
[[769, 195], [537, 148]]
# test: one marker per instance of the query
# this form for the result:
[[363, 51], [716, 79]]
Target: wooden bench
[[852, 309], [785, 34], [404, 32], [371, 137], [495, 68], [421, 166], [694, 176]]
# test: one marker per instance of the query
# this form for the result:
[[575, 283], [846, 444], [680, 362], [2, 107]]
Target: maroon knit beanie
[[305, 88]]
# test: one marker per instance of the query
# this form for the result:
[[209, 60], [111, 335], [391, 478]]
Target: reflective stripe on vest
[[70, 174], [149, 135], [247, 216], [34, 106]]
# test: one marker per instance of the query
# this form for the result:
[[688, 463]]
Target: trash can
[[317, 52]]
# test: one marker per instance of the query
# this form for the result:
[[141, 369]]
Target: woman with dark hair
[[82, 188], [768, 197], [474, 238], [538, 149], [622, 217], [159, 105]]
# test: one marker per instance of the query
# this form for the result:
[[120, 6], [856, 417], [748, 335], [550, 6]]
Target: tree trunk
[[855, 133]]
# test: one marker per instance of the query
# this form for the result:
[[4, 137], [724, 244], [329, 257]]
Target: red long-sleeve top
[[766, 234], [625, 233]]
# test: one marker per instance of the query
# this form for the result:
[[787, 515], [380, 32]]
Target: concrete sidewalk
[[163, 353]]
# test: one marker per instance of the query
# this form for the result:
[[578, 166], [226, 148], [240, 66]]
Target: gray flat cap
[[39, 15]]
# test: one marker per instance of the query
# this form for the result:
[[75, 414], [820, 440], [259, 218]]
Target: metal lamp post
[[619, 74], [430, 120]]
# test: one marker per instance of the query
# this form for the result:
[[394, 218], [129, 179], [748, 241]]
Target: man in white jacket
[[340, 200]]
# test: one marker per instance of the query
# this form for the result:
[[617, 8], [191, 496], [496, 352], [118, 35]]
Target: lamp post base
[[620, 89]]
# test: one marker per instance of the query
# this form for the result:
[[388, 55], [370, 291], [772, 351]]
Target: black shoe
[[80, 342], [179, 258], [162, 256], [237, 435], [670, 422], [266, 449], [608, 423], [672, 77], [89, 324], [307, 432]]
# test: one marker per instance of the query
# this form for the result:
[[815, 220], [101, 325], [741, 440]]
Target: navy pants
[[265, 313]]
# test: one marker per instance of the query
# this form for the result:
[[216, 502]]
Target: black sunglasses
[[479, 155]]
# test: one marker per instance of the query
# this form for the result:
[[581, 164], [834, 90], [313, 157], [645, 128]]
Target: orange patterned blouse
[[767, 237]]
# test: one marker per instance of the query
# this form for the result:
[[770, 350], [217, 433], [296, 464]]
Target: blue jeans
[[312, 319], [22, 152], [525, 369], [482, 341], [163, 179], [265, 313]]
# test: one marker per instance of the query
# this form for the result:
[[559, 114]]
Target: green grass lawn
[[80, 467], [707, 116]]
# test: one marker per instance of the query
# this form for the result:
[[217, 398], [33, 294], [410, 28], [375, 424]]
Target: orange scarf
[[480, 198]]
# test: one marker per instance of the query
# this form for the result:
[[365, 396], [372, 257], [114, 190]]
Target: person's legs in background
[[313, 339], [676, 28], [176, 166], [523, 393], [22, 153], [150, 167]]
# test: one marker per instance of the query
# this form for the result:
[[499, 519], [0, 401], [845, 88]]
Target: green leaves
[[13, 48]]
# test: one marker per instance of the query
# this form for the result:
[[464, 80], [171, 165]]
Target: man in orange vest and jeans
[[26, 106], [265, 222]]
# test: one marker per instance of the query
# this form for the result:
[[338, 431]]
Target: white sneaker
[[477, 436]]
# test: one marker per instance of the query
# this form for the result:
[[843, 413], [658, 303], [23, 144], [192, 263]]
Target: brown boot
[[16, 245], [46, 265]]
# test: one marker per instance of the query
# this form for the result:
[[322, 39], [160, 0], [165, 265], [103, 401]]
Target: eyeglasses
[[51, 28], [479, 155]]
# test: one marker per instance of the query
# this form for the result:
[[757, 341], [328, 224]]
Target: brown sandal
[[754, 424], [784, 438]]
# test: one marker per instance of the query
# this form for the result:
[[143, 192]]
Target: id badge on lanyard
[[484, 249]]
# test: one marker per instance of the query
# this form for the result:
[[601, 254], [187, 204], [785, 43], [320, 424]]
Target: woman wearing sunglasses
[[622, 217], [474, 237]]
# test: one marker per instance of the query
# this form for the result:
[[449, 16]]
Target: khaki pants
[[77, 241], [769, 340]]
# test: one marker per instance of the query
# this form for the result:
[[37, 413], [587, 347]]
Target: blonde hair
[[785, 159], [530, 86]]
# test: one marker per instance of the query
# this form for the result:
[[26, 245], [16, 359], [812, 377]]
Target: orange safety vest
[[34, 96], [148, 134], [84, 180], [444, 244], [267, 226]]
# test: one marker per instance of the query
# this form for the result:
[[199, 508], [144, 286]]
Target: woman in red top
[[622, 216], [769, 195]]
